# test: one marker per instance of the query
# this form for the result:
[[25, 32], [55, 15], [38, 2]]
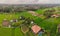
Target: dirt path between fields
[[34, 13]]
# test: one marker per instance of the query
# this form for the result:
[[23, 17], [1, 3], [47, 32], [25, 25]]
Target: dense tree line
[[17, 9]]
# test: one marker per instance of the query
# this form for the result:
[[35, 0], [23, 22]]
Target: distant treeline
[[17, 8], [20, 8]]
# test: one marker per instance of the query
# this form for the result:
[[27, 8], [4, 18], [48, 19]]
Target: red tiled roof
[[5, 23], [36, 29]]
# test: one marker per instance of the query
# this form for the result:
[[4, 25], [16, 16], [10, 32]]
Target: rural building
[[55, 15], [35, 29], [5, 23]]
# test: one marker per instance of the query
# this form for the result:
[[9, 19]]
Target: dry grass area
[[34, 13]]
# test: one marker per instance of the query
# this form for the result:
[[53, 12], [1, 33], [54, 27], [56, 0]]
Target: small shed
[[5, 23], [56, 15], [35, 29]]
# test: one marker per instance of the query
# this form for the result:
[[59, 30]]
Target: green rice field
[[49, 25]]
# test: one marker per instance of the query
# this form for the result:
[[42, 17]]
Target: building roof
[[35, 28], [5, 23], [56, 15]]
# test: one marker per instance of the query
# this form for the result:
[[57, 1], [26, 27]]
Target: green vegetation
[[48, 24]]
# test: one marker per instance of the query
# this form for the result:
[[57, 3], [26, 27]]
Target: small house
[[35, 29], [55, 15], [5, 23]]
